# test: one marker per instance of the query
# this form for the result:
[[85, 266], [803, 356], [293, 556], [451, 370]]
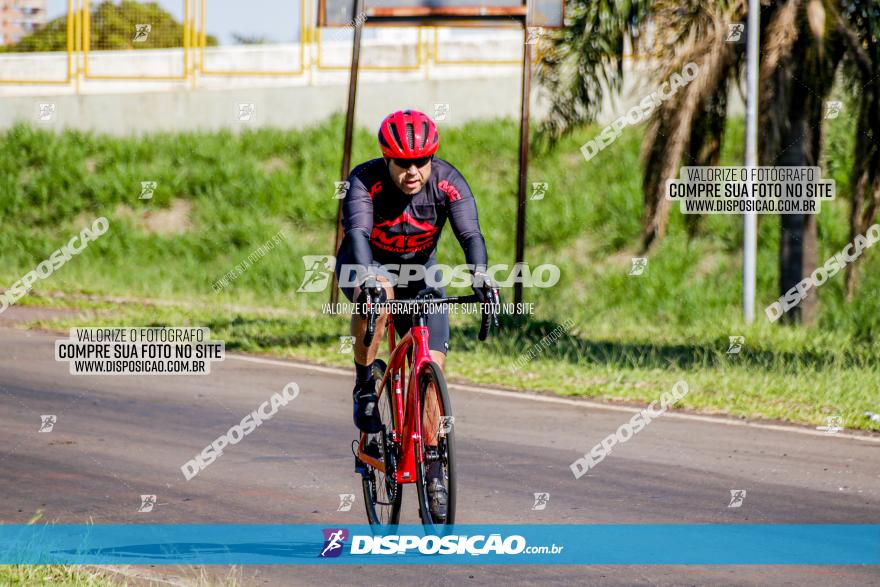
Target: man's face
[[408, 176]]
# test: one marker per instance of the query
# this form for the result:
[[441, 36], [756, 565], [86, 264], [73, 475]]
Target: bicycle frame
[[411, 352], [407, 425]]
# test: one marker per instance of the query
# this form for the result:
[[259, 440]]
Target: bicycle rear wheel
[[437, 427], [382, 493]]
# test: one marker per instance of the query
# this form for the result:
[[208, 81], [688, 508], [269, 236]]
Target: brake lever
[[490, 317], [371, 329], [371, 317]]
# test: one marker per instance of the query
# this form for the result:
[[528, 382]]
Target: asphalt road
[[117, 437]]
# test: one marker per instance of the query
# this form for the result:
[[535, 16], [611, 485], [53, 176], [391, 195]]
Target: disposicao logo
[[334, 541], [401, 544]]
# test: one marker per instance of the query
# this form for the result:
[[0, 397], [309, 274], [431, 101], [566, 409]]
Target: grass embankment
[[633, 336], [84, 576], [58, 575]]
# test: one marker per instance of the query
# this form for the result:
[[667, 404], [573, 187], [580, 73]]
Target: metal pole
[[349, 129], [750, 219], [523, 159]]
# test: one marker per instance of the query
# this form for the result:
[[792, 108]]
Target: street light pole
[[750, 219]]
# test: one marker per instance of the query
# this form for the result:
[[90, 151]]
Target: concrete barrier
[[212, 102]]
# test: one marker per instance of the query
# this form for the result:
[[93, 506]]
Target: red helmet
[[408, 134]]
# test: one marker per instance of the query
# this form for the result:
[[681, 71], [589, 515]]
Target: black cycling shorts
[[437, 322]]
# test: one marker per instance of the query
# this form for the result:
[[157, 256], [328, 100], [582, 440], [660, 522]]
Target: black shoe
[[438, 496], [366, 408]]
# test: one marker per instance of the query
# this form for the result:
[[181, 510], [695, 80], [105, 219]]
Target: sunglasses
[[406, 163]]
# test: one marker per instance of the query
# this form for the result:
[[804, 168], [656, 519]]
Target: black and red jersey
[[383, 225]]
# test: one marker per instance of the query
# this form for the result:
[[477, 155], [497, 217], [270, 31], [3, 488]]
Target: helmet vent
[[395, 135], [410, 136]]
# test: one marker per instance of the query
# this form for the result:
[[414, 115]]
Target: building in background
[[19, 18]]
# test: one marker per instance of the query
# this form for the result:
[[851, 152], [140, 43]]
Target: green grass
[[84, 576], [632, 336], [60, 575]]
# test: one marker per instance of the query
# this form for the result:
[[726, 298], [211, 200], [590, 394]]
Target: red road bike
[[414, 408]]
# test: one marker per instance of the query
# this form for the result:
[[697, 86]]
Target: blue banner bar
[[611, 544]]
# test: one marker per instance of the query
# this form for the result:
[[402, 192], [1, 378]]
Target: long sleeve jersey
[[384, 225]]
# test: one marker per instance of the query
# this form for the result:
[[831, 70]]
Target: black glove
[[485, 290], [371, 293]]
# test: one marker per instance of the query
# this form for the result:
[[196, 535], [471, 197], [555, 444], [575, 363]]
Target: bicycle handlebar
[[425, 297]]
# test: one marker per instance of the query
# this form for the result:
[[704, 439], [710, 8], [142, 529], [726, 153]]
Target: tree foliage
[[804, 46], [112, 27]]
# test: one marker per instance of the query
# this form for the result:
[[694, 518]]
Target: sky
[[276, 20]]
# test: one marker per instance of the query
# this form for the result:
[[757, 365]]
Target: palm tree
[[803, 44], [859, 25]]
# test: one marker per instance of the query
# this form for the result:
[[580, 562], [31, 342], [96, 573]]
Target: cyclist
[[393, 213]]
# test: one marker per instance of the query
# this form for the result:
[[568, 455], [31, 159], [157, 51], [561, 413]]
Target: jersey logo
[[375, 189], [451, 193], [391, 234]]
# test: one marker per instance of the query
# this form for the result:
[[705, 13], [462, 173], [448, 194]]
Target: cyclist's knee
[[439, 358]]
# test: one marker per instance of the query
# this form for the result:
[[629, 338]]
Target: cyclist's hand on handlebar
[[485, 289], [489, 296], [372, 292]]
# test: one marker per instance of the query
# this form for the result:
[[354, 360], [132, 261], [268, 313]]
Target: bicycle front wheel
[[382, 493], [437, 431]]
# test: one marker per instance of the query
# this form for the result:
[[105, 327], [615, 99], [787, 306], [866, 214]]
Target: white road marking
[[583, 403]]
